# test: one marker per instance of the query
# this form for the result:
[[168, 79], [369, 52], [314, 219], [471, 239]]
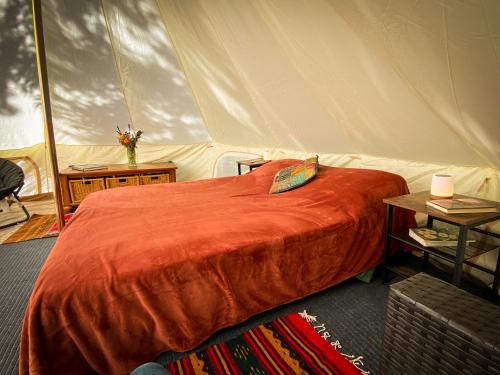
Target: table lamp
[[266, 154], [442, 186]]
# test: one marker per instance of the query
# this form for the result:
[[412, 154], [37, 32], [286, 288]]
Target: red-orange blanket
[[141, 270]]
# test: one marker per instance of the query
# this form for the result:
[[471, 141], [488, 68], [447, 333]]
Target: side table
[[251, 164], [465, 222]]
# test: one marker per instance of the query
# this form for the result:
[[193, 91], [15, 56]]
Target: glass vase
[[131, 157]]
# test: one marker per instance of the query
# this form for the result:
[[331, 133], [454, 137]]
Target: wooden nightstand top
[[253, 162], [416, 202]]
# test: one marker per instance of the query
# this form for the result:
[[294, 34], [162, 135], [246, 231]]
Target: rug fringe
[[357, 361]]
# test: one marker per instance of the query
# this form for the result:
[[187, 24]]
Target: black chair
[[11, 182]]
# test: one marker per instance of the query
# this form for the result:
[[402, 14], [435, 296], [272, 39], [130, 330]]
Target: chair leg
[[24, 209], [4, 205], [16, 200]]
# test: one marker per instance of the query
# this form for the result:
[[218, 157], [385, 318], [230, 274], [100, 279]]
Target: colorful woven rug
[[288, 345], [36, 227]]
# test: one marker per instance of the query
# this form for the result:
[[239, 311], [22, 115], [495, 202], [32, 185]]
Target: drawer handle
[[87, 182], [155, 178], [122, 180]]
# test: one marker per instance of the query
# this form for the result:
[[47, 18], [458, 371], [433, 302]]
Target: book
[[87, 167], [462, 205], [436, 236]]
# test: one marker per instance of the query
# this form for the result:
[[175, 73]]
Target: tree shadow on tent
[[17, 54]]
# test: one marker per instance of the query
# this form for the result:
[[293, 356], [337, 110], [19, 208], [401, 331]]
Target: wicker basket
[[115, 182], [149, 179], [79, 189], [432, 327]]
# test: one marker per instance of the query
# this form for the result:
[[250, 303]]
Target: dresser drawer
[[155, 179], [80, 188], [115, 182]]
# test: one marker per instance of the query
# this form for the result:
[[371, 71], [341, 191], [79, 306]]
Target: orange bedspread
[[141, 270]]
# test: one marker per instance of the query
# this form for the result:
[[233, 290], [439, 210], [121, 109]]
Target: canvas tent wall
[[88, 94], [417, 83], [411, 88]]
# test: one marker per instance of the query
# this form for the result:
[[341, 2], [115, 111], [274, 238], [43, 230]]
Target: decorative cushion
[[295, 176]]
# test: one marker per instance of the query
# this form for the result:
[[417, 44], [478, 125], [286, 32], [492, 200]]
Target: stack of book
[[87, 167], [436, 236], [462, 205]]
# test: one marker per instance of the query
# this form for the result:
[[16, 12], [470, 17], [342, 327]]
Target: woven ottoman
[[432, 327]]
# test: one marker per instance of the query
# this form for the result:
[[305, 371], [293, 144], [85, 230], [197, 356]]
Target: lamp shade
[[266, 154], [441, 186]]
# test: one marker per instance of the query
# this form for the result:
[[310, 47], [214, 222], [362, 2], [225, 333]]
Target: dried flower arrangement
[[129, 139]]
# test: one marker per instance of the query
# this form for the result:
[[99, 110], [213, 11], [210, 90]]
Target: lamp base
[[438, 197]]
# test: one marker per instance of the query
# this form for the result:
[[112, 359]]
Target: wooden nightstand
[[466, 222], [251, 164], [75, 185]]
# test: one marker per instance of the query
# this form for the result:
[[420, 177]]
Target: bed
[[142, 270]]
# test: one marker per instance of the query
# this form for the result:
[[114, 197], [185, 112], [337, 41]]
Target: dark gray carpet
[[19, 267], [352, 312]]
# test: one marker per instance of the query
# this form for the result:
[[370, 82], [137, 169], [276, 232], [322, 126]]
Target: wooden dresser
[[75, 185]]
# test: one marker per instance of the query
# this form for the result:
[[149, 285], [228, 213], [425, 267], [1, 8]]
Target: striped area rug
[[287, 345], [36, 227]]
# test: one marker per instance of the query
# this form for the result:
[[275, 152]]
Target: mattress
[[142, 270]]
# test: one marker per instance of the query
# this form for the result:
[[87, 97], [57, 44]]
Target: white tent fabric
[[86, 95], [401, 83], [20, 121], [157, 94], [25, 117], [416, 81], [111, 63]]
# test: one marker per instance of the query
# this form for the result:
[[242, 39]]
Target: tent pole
[[47, 112]]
